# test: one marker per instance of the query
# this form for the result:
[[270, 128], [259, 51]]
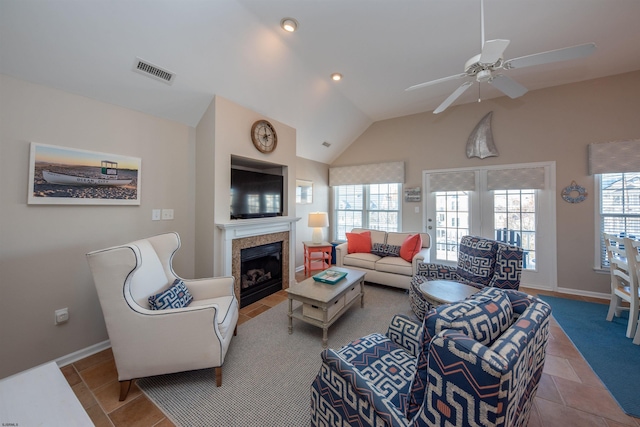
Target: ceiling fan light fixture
[[289, 24], [483, 76], [336, 77]]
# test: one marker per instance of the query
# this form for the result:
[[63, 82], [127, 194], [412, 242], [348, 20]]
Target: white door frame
[[546, 274]]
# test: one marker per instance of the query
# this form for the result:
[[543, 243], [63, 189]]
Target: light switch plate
[[156, 215], [167, 213]]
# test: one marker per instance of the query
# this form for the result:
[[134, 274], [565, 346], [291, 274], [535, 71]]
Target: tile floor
[[569, 395]]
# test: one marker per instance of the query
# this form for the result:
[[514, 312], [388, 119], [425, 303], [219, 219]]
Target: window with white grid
[[374, 206], [619, 207], [452, 222], [514, 215]]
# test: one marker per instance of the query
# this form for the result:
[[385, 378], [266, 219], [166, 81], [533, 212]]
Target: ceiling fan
[[484, 67]]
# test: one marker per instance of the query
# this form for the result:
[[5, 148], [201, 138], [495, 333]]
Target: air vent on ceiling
[[148, 69]]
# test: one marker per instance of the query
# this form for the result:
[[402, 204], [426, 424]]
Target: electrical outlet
[[156, 215], [167, 213], [61, 316]]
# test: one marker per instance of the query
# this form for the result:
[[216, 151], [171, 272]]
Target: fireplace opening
[[261, 272]]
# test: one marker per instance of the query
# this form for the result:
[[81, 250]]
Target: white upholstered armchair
[[148, 342]]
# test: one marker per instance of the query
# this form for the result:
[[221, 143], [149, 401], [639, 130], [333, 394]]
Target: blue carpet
[[613, 356]]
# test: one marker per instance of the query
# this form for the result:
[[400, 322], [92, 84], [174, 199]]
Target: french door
[[511, 203]]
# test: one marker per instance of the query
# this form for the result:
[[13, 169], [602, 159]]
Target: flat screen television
[[255, 194]]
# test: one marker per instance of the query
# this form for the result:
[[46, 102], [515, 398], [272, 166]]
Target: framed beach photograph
[[69, 176]]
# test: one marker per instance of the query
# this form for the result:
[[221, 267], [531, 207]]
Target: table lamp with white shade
[[318, 220]]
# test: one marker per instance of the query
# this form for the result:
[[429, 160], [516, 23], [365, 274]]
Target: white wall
[[42, 247]]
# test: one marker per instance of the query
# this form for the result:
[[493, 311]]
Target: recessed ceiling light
[[336, 77], [289, 24]]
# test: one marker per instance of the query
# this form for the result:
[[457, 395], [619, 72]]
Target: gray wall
[[318, 173], [552, 124], [42, 247]]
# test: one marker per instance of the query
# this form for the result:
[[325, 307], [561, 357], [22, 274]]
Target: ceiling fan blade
[[433, 82], [508, 86], [456, 93], [563, 54], [492, 51]]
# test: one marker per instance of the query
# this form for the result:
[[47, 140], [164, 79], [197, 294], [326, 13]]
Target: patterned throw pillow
[[177, 296], [383, 250], [483, 317]]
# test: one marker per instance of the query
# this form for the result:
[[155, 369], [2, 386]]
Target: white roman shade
[[614, 157], [379, 173], [516, 179], [452, 181]]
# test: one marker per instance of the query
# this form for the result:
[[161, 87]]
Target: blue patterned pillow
[[483, 317], [383, 250], [177, 296]]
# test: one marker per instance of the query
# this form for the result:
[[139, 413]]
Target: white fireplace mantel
[[241, 228]]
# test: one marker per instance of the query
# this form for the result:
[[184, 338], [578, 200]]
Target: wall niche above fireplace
[[258, 189]]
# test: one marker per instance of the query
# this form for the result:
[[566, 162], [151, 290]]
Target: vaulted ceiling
[[236, 49]]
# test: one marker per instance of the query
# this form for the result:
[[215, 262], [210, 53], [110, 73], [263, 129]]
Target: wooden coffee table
[[323, 304], [438, 292]]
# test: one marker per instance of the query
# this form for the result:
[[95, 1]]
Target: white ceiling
[[236, 49]]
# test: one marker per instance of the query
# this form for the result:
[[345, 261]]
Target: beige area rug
[[267, 373]]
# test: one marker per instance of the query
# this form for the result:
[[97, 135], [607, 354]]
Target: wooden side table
[[317, 256], [438, 292]]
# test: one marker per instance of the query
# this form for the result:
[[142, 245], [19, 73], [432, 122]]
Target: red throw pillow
[[359, 242], [411, 246]]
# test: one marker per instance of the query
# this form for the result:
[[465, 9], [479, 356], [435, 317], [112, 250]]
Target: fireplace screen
[[261, 272]]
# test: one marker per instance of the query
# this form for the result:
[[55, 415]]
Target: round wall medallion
[[574, 193], [264, 136]]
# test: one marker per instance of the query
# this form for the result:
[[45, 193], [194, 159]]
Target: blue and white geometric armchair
[[475, 362], [481, 262]]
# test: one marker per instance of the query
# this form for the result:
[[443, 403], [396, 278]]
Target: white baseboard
[[570, 291], [82, 353]]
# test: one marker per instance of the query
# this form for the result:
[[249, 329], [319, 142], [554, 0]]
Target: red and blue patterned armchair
[[475, 362], [481, 262]]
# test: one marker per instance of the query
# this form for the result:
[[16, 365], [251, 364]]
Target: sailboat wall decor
[[480, 142]]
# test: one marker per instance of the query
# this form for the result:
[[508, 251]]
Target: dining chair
[[624, 280], [632, 248]]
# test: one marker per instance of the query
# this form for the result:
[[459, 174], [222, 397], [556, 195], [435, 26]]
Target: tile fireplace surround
[[248, 233]]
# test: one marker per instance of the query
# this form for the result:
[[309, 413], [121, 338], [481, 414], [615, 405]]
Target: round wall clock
[[264, 136]]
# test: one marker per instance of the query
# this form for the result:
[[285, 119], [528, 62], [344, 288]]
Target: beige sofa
[[389, 270]]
